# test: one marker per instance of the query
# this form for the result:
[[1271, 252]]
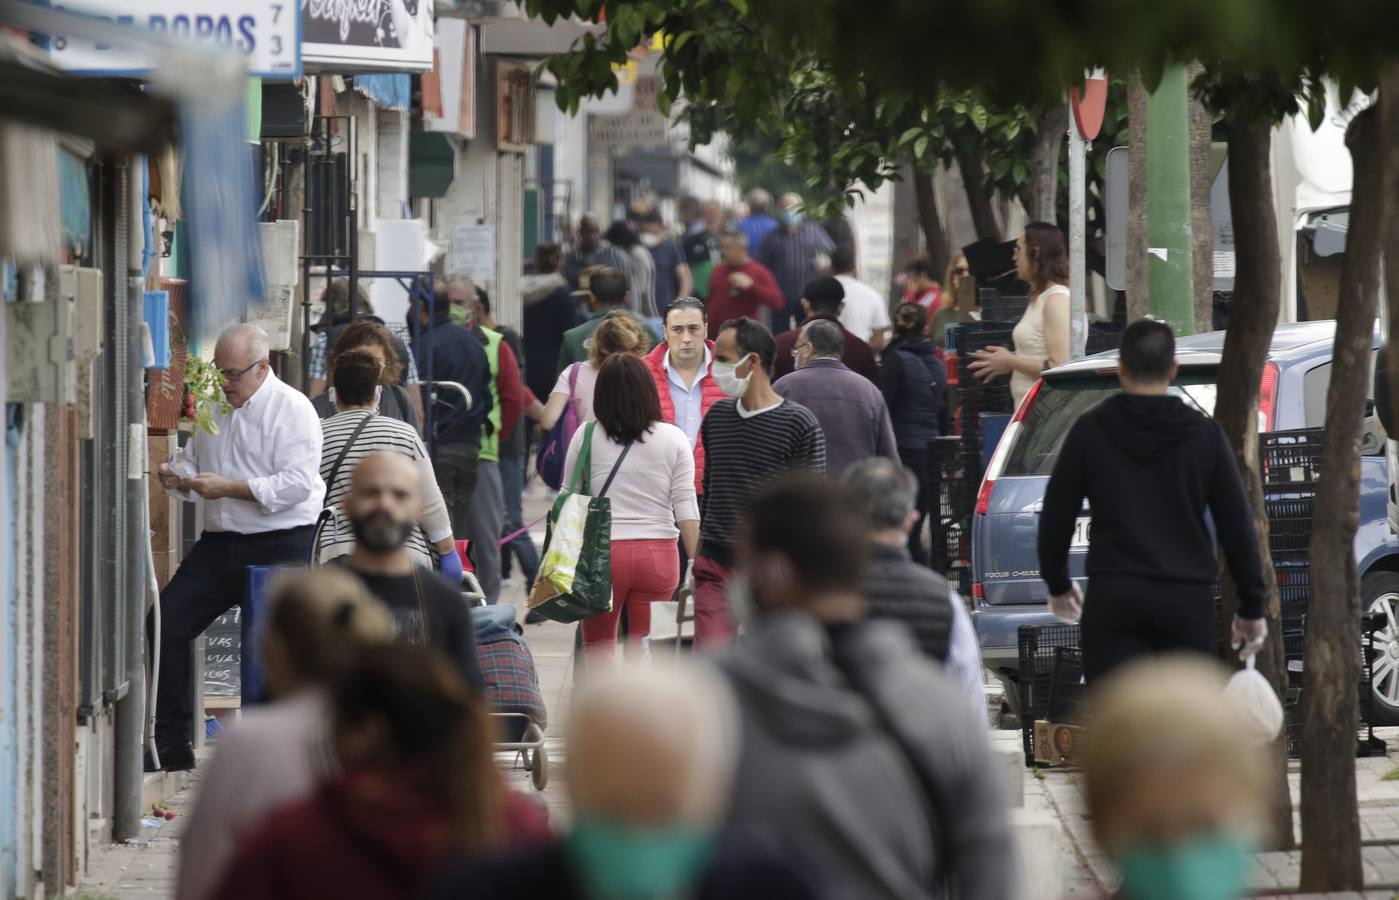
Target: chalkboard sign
[[223, 644]]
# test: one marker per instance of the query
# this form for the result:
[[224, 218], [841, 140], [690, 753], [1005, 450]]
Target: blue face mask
[[620, 862], [1208, 867], [789, 217]]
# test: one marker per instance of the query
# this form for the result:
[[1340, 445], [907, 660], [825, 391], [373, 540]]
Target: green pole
[[1169, 269]]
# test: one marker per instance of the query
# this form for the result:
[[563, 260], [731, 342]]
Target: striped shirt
[[380, 435], [745, 450], [792, 258]]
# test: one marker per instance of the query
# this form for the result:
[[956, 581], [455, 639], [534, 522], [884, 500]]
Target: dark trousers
[[1125, 618], [212, 580], [512, 482], [919, 461], [456, 466]]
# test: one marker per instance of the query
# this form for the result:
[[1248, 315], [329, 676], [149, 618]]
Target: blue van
[[1007, 591]]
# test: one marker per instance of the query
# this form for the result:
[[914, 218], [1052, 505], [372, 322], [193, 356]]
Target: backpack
[[554, 448]]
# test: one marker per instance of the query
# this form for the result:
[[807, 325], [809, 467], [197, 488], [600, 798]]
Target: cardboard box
[[1057, 744]]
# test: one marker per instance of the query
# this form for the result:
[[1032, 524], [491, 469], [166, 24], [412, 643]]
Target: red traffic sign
[[1090, 104]]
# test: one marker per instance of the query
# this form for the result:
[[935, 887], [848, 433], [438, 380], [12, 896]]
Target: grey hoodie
[[821, 779]]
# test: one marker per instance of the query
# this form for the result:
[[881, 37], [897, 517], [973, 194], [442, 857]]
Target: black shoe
[[534, 617], [179, 758]]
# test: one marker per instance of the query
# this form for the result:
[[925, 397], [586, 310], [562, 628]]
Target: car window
[[1314, 386], [1059, 403]]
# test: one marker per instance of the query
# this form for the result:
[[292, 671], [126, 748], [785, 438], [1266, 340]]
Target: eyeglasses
[[233, 375]]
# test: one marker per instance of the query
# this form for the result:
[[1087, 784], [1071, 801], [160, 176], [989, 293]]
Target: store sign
[[264, 31], [367, 35]]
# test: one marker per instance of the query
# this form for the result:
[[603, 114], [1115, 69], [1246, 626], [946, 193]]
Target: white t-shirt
[[865, 310], [583, 390]]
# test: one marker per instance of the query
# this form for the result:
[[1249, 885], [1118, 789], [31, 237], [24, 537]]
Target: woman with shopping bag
[[644, 469]]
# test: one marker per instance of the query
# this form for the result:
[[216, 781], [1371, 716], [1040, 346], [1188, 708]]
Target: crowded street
[[700, 450]]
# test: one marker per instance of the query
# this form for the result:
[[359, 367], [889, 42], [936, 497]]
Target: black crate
[[1290, 457], [1039, 647], [1002, 307], [1367, 744], [1066, 687], [1289, 536]]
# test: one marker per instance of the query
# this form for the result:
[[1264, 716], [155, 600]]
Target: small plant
[[203, 394], [1391, 775]]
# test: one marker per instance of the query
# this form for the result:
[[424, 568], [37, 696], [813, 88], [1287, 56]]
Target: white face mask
[[649, 239], [727, 378]]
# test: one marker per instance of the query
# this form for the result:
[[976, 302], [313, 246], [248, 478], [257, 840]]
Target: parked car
[[1007, 591]]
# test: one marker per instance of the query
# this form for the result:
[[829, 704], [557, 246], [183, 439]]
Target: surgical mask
[[789, 217], [1208, 867], [458, 314], [649, 239], [615, 861], [379, 533], [728, 381]]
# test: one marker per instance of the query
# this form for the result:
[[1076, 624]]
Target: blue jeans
[[512, 480]]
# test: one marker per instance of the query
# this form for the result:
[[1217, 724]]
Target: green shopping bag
[[575, 574]]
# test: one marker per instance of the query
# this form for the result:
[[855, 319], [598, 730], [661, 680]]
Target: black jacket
[[899, 589], [914, 382], [1150, 468], [457, 355]]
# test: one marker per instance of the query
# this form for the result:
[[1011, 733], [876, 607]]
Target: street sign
[[266, 32], [367, 35], [1090, 104]]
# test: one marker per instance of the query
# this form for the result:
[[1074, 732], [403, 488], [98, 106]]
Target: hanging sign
[[367, 35], [1090, 104], [266, 32]]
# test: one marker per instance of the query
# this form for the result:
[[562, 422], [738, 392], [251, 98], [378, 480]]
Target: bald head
[[759, 201], [384, 501], [652, 748], [241, 357]]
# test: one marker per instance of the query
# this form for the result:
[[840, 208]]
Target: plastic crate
[[1038, 646], [1002, 307], [1290, 457], [1367, 744], [1289, 536]]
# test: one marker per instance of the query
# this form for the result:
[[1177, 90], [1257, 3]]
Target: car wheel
[[1380, 591]]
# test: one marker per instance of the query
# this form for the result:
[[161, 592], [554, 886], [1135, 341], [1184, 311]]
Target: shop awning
[[431, 164], [509, 36], [115, 115]]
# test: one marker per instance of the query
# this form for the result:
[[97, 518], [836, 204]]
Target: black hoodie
[[1150, 468]]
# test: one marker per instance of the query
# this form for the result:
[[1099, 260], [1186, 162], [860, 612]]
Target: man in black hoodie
[[1150, 468]]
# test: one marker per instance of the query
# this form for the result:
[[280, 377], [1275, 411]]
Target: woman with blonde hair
[[316, 624], [619, 332], [1175, 782]]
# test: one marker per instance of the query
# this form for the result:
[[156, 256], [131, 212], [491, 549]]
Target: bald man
[[384, 501], [257, 477], [649, 767], [590, 251]]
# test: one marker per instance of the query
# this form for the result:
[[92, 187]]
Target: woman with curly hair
[[619, 332]]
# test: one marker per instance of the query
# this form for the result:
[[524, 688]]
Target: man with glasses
[[258, 478]]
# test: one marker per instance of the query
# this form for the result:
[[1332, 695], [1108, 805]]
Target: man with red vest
[[681, 369]]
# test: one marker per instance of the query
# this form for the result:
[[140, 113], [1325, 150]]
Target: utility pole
[[1170, 270], [1078, 238]]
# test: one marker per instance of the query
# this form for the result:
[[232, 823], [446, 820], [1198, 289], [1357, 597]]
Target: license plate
[[1081, 531]]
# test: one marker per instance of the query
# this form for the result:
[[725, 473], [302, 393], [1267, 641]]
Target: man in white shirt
[[259, 481], [865, 314]]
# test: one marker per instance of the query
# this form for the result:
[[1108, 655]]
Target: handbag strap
[[582, 466], [615, 466], [344, 451]]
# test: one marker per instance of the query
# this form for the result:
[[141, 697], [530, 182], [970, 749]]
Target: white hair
[[250, 335]]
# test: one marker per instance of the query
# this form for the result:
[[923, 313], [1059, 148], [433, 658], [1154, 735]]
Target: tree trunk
[[1044, 163], [973, 171], [934, 236], [1257, 299], [1137, 284], [1201, 232], [1330, 711]]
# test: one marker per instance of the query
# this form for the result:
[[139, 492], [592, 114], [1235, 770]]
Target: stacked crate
[[1001, 306]]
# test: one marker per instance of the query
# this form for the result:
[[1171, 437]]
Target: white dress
[[1030, 340]]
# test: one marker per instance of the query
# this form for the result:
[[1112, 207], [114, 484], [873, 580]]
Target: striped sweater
[[743, 452], [381, 435]]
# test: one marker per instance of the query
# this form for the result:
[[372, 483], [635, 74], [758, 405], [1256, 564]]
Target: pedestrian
[[958, 304], [914, 382], [822, 298], [682, 368], [1176, 794], [395, 400], [549, 312], [257, 478], [741, 287], [646, 469], [589, 251], [607, 294], [315, 625], [456, 356], [673, 279], [703, 223], [901, 590], [1151, 468], [358, 431], [921, 285], [336, 319], [861, 761], [1042, 334], [427, 609], [865, 312], [851, 411], [757, 225], [796, 252], [649, 766], [750, 439], [417, 786], [640, 269], [619, 332]]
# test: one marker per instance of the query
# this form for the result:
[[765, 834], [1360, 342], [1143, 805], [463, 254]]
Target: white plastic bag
[[1260, 710]]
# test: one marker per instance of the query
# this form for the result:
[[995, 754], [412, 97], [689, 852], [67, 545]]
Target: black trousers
[[1125, 618], [212, 580], [919, 461]]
